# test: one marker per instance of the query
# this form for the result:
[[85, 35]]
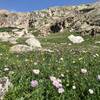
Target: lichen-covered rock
[[75, 39], [4, 36], [33, 42], [9, 19], [20, 48], [4, 86], [12, 40], [8, 37]]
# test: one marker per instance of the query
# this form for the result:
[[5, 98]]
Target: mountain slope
[[71, 18]]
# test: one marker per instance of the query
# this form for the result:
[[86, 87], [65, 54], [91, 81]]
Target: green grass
[[21, 40], [50, 64], [8, 29]]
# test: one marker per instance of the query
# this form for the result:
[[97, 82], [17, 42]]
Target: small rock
[[75, 39], [4, 85], [12, 40], [33, 42], [19, 34], [4, 36], [28, 35]]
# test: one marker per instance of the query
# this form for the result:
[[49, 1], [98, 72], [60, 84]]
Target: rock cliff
[[82, 18]]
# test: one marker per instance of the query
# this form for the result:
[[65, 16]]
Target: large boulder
[[19, 48]]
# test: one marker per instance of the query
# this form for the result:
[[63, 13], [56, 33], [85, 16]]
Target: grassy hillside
[[65, 63]]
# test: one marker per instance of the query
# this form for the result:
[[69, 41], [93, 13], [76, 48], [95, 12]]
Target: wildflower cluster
[[56, 82]]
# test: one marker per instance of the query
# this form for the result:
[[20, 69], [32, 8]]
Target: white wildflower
[[36, 71], [83, 71], [61, 59], [62, 75], [91, 91], [35, 63], [52, 78], [26, 60], [73, 87], [97, 55], [60, 90], [73, 61], [6, 69]]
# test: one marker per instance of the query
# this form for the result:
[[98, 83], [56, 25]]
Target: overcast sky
[[30, 5]]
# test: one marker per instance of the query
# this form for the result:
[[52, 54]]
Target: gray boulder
[[33, 42], [20, 48], [75, 39]]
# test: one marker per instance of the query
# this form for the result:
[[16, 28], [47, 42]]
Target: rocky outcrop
[[30, 43], [19, 20], [81, 19]]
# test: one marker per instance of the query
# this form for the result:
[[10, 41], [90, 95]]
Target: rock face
[[8, 19], [81, 19], [4, 85]]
